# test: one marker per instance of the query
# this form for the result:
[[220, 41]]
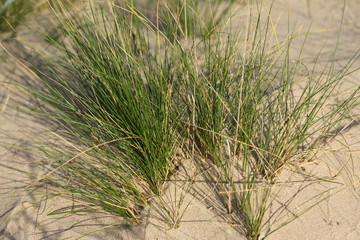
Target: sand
[[336, 217]]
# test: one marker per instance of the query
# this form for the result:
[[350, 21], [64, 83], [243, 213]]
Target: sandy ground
[[336, 217]]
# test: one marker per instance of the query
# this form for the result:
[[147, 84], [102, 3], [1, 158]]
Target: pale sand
[[337, 217]]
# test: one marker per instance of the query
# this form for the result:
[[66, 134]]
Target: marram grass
[[13, 12], [130, 93]]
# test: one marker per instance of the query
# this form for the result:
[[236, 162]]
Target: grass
[[272, 116], [13, 12], [4, 99], [129, 94], [195, 17], [132, 126]]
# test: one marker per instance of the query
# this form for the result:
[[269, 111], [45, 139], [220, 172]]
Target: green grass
[[121, 106], [128, 94], [195, 17], [13, 12], [260, 119]]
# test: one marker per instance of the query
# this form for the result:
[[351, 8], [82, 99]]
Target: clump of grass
[[120, 105], [266, 114], [127, 95]]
